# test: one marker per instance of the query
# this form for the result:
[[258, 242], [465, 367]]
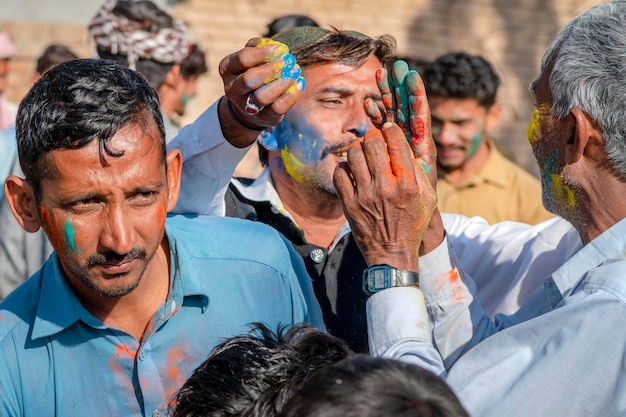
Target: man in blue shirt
[[130, 302]]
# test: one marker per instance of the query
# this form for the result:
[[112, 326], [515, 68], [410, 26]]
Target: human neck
[[132, 312], [459, 175], [600, 207], [317, 212]]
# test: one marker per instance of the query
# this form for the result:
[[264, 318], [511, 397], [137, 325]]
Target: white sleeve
[[502, 259], [209, 161], [447, 319], [398, 328]]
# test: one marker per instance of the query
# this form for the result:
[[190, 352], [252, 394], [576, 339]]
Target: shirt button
[[157, 413], [317, 255], [142, 356]]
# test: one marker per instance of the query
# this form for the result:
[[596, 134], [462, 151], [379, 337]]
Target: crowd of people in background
[[336, 235]]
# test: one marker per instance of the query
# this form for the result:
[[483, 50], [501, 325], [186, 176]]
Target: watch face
[[378, 278]]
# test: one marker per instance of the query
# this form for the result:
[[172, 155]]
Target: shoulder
[[512, 172], [17, 311], [608, 277], [214, 236]]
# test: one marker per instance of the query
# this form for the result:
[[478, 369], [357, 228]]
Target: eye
[[145, 197], [331, 101], [86, 204]]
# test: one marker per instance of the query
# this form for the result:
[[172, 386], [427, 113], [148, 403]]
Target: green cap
[[302, 37]]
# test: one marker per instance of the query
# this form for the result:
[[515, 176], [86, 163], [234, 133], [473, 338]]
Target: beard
[[94, 260]]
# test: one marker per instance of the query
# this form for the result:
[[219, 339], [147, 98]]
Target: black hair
[[287, 22], [255, 374], [461, 75], [79, 101], [367, 386], [53, 55], [194, 63]]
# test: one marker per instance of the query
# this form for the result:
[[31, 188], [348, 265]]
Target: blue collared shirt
[[57, 359], [562, 354]]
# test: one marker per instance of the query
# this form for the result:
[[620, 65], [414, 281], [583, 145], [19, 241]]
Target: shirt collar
[[59, 308], [495, 167], [262, 189], [610, 244], [185, 278]]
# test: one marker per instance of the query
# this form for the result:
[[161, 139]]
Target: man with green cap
[[295, 194]]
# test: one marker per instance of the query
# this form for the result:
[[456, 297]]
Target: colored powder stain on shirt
[[533, 126], [292, 164], [564, 193], [70, 234]]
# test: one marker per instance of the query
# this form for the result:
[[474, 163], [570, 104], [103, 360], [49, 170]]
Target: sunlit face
[[547, 137], [459, 127], [106, 222], [314, 135]]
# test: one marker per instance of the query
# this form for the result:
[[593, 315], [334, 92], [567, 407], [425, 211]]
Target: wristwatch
[[379, 277]]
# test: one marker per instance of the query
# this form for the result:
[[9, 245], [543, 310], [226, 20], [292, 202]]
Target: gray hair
[[589, 72]]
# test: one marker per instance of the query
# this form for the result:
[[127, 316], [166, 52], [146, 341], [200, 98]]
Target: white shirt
[[562, 354]]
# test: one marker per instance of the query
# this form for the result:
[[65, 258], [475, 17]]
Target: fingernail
[[294, 74], [301, 83], [278, 49], [289, 61]]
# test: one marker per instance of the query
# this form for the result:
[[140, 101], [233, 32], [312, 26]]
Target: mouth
[[343, 155], [120, 268], [443, 151]]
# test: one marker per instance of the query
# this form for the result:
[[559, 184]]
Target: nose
[[444, 133], [118, 234], [358, 121]]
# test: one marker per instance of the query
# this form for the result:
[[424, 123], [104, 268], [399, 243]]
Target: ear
[[267, 139], [21, 198], [174, 161], [173, 76], [493, 116], [584, 130]]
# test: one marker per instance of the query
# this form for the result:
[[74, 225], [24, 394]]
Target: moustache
[[116, 258], [331, 149]]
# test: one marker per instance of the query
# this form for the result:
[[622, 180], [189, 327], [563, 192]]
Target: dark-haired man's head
[[91, 144], [366, 386], [339, 67], [462, 91], [254, 375], [289, 21], [54, 54]]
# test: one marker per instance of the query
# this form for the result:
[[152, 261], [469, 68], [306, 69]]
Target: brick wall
[[510, 33]]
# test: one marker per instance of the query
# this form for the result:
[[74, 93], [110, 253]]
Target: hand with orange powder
[[261, 83], [405, 104], [387, 197]]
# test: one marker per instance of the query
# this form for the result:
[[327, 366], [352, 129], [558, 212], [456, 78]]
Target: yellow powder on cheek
[[564, 193], [533, 127], [292, 164]]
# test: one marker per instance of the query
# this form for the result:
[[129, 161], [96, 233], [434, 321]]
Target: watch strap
[[404, 278]]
